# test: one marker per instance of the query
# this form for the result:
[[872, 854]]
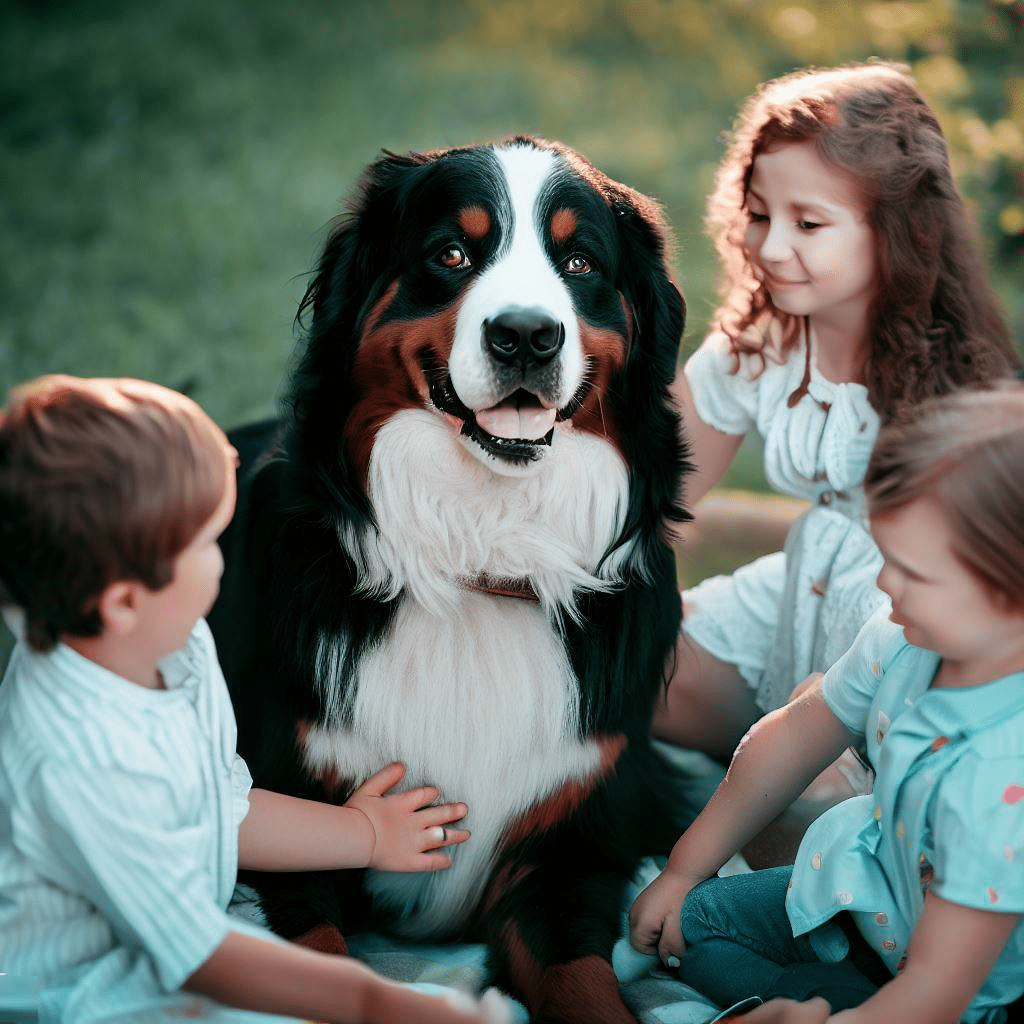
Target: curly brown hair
[[935, 324]]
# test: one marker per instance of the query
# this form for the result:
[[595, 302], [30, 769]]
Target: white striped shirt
[[119, 815]]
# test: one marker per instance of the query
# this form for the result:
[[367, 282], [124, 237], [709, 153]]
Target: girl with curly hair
[[853, 288]]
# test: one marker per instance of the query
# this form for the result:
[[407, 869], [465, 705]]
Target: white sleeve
[[724, 400], [112, 838], [241, 784], [220, 717]]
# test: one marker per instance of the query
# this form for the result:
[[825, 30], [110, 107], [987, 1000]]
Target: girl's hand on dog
[[407, 827]]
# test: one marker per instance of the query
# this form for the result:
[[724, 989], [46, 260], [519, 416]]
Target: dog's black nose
[[523, 336]]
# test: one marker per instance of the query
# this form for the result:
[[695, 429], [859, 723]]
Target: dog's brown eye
[[454, 257], [577, 265]]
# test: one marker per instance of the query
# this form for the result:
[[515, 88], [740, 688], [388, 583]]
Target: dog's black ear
[[659, 310], [350, 278], [353, 269], [656, 452]]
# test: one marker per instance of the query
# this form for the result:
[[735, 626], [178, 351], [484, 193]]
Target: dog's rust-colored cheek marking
[[567, 798], [605, 352], [388, 373], [475, 221], [563, 225]]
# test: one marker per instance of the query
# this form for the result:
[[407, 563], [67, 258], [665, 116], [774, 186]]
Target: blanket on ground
[[656, 996]]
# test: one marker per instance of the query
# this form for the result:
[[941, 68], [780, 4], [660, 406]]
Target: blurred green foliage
[[168, 171]]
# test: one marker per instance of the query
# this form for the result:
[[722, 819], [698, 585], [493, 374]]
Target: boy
[[125, 811]]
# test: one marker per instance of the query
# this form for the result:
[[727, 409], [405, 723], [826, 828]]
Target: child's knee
[[700, 912]]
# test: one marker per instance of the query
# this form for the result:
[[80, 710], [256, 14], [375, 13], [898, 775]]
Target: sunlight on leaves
[[897, 23], [942, 77], [978, 137], [1008, 139], [1011, 219], [795, 23]]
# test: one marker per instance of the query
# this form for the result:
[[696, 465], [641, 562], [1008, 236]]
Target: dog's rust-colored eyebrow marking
[[475, 221], [563, 224]]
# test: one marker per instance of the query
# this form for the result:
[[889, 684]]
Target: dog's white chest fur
[[473, 692], [443, 516], [479, 702]]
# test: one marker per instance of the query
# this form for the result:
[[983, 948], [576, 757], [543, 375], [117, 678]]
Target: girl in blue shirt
[[904, 904]]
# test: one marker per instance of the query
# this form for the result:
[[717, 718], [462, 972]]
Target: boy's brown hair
[[966, 450], [101, 480]]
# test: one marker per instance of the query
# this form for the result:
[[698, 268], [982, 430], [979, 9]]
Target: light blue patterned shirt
[[946, 812]]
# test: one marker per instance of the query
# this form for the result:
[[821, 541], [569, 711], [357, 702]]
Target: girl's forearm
[[910, 999], [284, 833], [774, 763], [256, 974], [951, 953]]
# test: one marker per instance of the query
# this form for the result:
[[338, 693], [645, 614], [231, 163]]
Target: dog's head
[[483, 388], [503, 286]]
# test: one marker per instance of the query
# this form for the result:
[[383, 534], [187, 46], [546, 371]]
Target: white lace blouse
[[796, 611]]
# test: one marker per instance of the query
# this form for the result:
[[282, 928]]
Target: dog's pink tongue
[[507, 419]]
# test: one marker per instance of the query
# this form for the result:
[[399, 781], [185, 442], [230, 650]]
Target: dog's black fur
[[550, 899]]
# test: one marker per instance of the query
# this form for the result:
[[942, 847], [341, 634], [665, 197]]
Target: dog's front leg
[[551, 928]]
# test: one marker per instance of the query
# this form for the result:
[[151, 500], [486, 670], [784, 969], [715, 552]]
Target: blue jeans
[[739, 943]]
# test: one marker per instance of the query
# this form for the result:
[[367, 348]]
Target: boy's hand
[[654, 925], [491, 1008], [406, 826], [388, 1003]]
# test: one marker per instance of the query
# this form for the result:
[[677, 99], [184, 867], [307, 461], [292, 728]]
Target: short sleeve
[[980, 865], [241, 783], [109, 837], [724, 400], [851, 684]]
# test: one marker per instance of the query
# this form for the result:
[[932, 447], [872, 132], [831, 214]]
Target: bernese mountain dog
[[454, 550]]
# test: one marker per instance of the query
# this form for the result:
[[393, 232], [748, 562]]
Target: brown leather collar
[[521, 588]]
